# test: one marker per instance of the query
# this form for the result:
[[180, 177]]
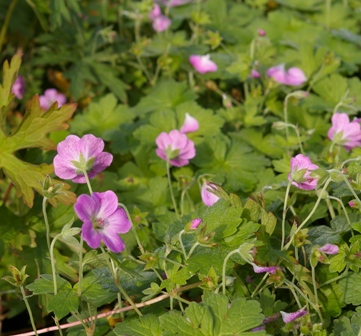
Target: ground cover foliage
[[253, 227]]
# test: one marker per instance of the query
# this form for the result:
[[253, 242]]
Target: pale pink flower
[[261, 32], [289, 317], [208, 197], [78, 154], [329, 249], [293, 77], [175, 147], [51, 96], [174, 3], [301, 168], [156, 12], [161, 23], [190, 124], [263, 269], [18, 88], [195, 223], [343, 132], [203, 64], [255, 74]]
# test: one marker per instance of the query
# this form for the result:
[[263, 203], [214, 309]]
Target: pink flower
[[76, 155], [203, 64], [263, 269], [102, 219], [329, 249], [293, 77], [190, 124], [255, 74], [50, 97], [208, 197], [301, 168], [18, 88], [161, 23], [343, 132], [195, 223], [289, 317], [261, 32], [174, 3], [175, 147]]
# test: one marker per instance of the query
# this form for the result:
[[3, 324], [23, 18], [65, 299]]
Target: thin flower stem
[[6, 22], [171, 190], [284, 213], [295, 296], [347, 182], [299, 291], [344, 211], [256, 290], [80, 265], [181, 243], [330, 208], [314, 285], [341, 276], [88, 181], [29, 309], [141, 248], [112, 312], [350, 160], [192, 249], [53, 263], [46, 222], [224, 269], [310, 214], [328, 13], [285, 113], [117, 283]]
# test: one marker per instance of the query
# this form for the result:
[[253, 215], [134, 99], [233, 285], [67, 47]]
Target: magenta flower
[[255, 74], [208, 197], [78, 154], [174, 3], [263, 269], [175, 147], [289, 317], [203, 64], [102, 219], [190, 124], [261, 32], [155, 12], [50, 97], [329, 249], [293, 77], [18, 88], [160, 22], [301, 168], [195, 223], [343, 132]]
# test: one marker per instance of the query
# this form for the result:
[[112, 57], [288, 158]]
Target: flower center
[[82, 164], [98, 223]]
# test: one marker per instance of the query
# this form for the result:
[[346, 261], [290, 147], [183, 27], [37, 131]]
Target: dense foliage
[[232, 142]]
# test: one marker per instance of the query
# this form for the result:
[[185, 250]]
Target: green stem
[[341, 276], [330, 208], [299, 139], [310, 214], [88, 181], [192, 249], [29, 309], [328, 12], [295, 296], [259, 285], [141, 248], [80, 265], [350, 160], [46, 222], [224, 269], [6, 22], [181, 243], [171, 190], [285, 113], [344, 211], [284, 213], [53, 263], [347, 183], [117, 283], [314, 285]]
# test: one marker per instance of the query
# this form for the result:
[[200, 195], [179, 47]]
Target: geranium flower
[[263, 269], [255, 74], [160, 22], [18, 88], [329, 249], [208, 197], [343, 132], [190, 124], [78, 154], [103, 220], [301, 168], [203, 64], [175, 147], [289, 317], [293, 77], [51, 96], [174, 3]]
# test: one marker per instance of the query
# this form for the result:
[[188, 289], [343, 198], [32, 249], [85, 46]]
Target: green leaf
[[351, 290], [333, 303], [64, 302], [348, 327], [32, 132], [100, 117], [45, 285], [166, 94], [147, 325]]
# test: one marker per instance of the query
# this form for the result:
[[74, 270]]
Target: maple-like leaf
[[31, 133]]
